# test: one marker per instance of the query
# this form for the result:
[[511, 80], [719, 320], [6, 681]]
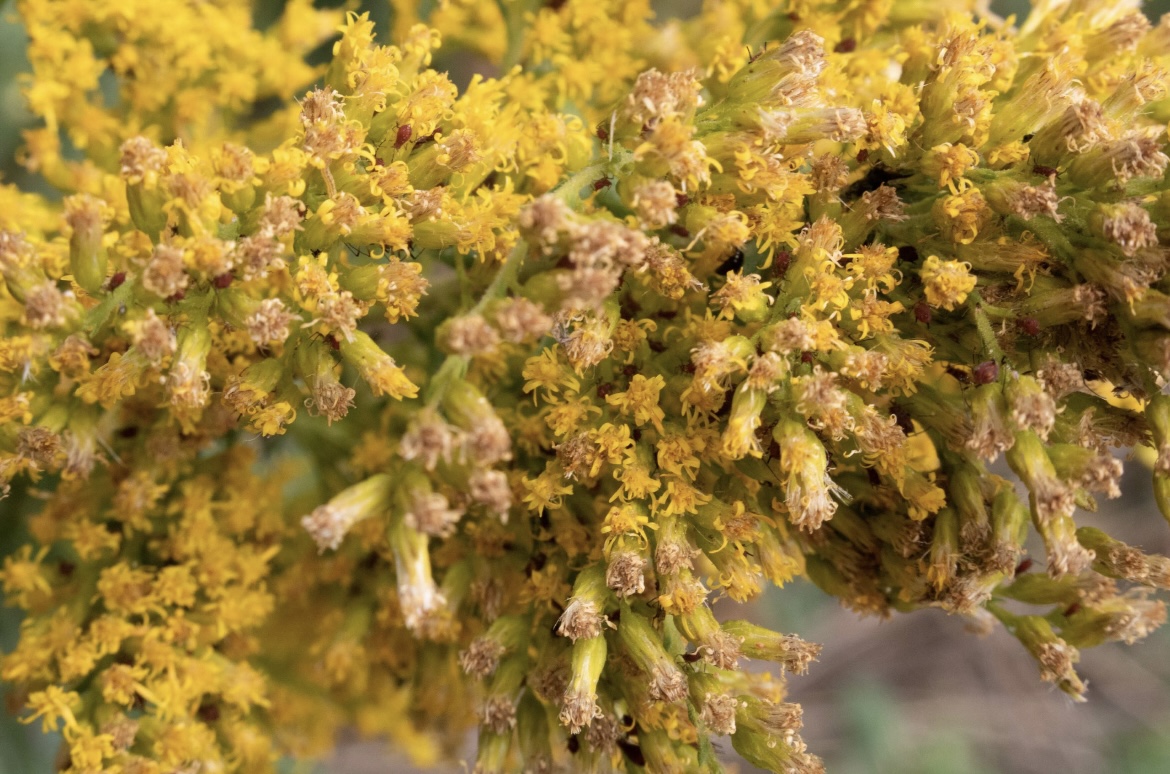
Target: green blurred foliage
[[23, 749], [13, 116]]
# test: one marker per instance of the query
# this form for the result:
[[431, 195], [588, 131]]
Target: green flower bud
[[362, 281], [780, 73], [493, 752], [1009, 527], [507, 634], [766, 736], [1055, 656], [644, 646], [584, 616], [329, 523], [498, 709], [1125, 619], [944, 549], [420, 599], [376, 368], [532, 730], [739, 439], [579, 706], [327, 396], [662, 754], [87, 217], [1036, 588], [714, 645], [788, 650], [1115, 559], [1052, 505]]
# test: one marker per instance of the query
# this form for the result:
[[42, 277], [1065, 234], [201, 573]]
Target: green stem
[[1049, 232], [461, 277], [570, 190], [514, 13], [95, 318], [1007, 619], [983, 325], [198, 307]]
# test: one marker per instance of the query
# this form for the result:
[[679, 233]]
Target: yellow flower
[[640, 400], [947, 282], [54, 707], [125, 589], [874, 264], [679, 498], [544, 371], [689, 252], [116, 379], [565, 416], [628, 335], [121, 683], [636, 478], [948, 163], [23, 576], [545, 490], [962, 215], [613, 442], [626, 520], [272, 419], [743, 296], [87, 750], [678, 454]]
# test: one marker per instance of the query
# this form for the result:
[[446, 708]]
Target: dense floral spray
[[341, 396]]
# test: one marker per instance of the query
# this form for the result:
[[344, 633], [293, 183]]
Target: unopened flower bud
[[579, 705], [420, 599], [644, 646], [788, 650], [505, 635], [584, 617], [329, 523], [1055, 656], [376, 368], [87, 217]]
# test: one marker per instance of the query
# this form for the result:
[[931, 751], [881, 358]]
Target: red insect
[[922, 313], [985, 373], [403, 135], [780, 263]]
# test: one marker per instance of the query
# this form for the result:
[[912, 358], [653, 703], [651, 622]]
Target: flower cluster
[[343, 396]]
